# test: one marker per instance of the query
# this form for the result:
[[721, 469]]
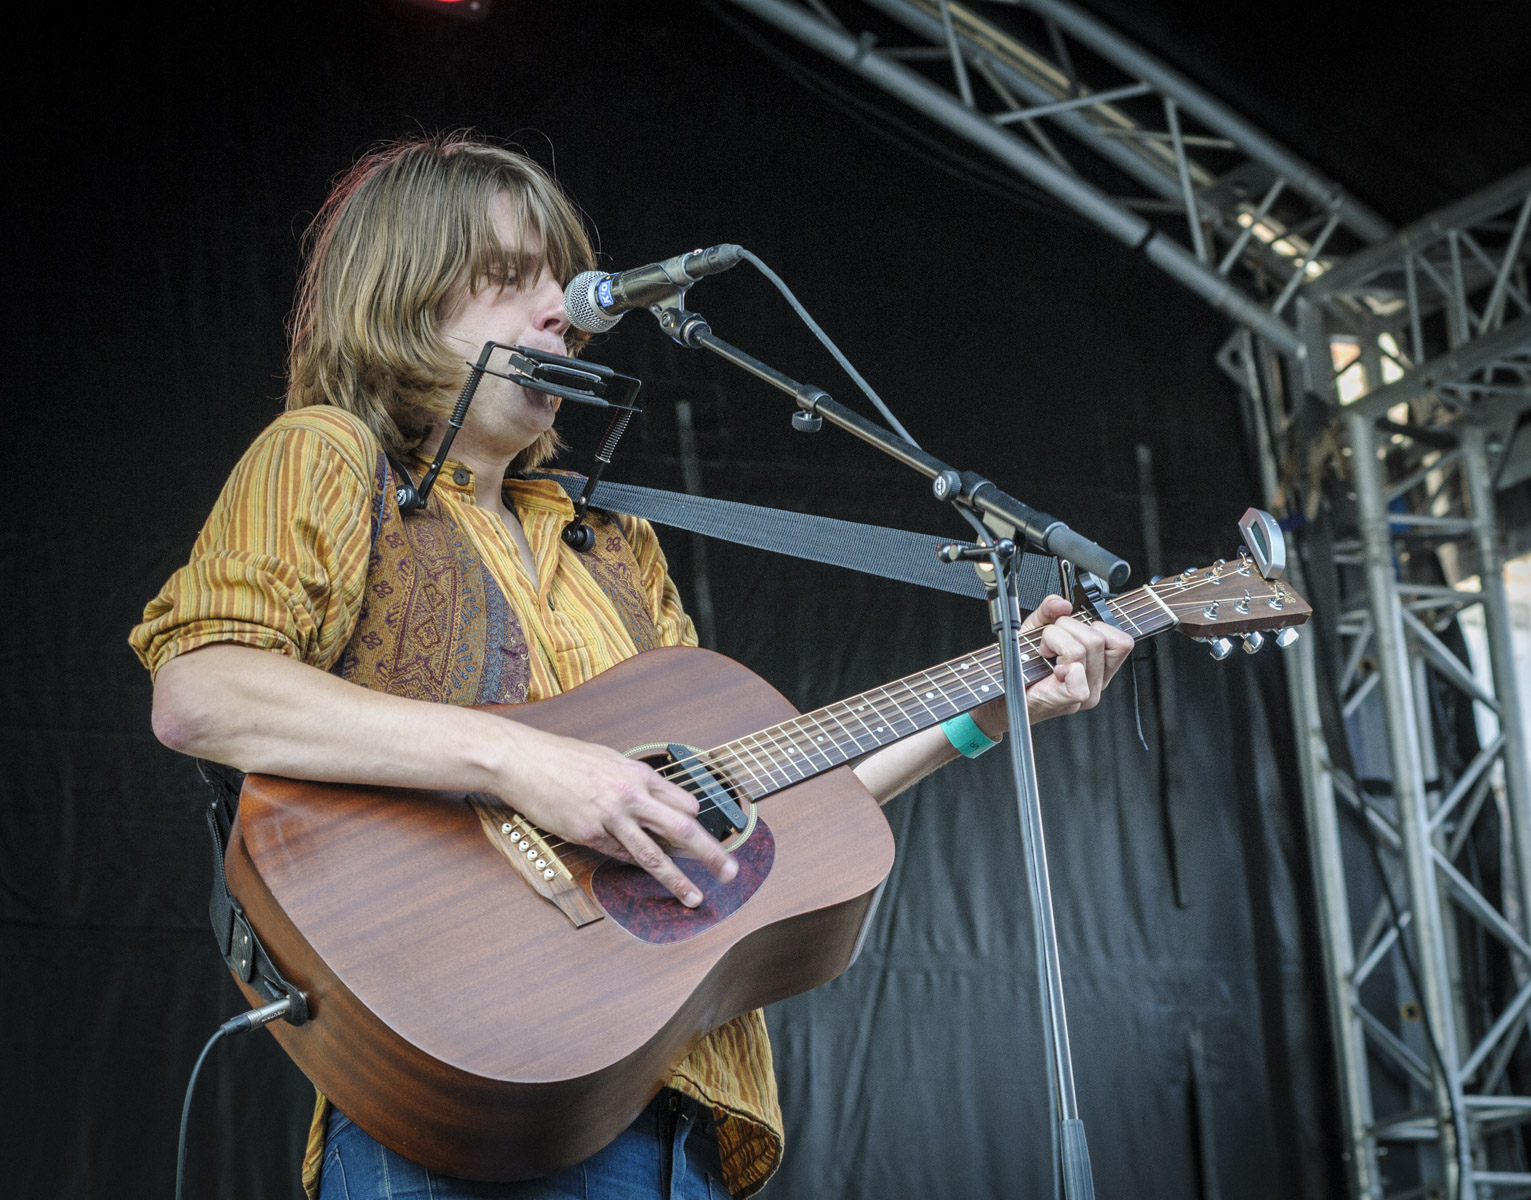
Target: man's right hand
[[624, 808]]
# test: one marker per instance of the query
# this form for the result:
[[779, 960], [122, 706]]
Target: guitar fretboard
[[838, 733]]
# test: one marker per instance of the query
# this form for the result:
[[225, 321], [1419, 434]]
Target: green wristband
[[965, 736]]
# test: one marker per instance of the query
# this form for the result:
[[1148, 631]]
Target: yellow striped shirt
[[281, 564]]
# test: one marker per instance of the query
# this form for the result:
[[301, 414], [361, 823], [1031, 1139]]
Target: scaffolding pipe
[[1217, 116], [1501, 652], [1345, 1025], [1120, 154], [1357, 268], [1408, 775], [1126, 226], [1474, 355]]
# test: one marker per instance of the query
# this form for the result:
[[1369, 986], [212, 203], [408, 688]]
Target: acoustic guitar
[[495, 1005]]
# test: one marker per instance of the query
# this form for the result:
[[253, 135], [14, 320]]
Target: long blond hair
[[402, 233]]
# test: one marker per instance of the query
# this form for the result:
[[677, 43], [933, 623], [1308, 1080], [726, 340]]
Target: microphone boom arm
[[965, 489]]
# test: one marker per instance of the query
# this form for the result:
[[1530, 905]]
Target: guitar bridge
[[524, 846]]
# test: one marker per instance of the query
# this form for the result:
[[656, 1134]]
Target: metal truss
[[1102, 127], [1421, 346], [1384, 373]]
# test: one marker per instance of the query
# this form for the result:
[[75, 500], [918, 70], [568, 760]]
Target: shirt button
[[460, 477]]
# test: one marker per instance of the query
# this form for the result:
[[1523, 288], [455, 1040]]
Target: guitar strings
[[778, 764], [1142, 602], [1139, 606]]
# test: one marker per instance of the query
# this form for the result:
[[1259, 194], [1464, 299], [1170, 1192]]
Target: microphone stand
[[1003, 518]]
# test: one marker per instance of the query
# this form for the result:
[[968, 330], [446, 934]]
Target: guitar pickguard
[[636, 901]]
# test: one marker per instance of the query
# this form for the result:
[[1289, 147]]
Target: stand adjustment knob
[[946, 485]]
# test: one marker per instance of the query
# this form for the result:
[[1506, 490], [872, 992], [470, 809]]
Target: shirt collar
[[457, 478]]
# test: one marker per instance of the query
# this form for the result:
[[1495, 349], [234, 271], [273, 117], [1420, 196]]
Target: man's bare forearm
[[261, 711]]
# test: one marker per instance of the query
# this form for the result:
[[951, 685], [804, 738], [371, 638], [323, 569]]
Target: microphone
[[596, 300]]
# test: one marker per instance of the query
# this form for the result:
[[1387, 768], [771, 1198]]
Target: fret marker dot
[[1025, 658], [881, 728], [930, 695], [985, 688]]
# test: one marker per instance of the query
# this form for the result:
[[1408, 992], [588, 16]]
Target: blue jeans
[[669, 1153]]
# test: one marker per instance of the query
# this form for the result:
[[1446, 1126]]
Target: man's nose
[[550, 313]]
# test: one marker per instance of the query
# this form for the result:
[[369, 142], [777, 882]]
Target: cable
[[829, 345], [253, 1019], [180, 1149]]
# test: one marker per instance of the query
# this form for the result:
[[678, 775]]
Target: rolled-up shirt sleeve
[[281, 563]]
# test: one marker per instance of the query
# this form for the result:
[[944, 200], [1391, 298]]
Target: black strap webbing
[[237, 942], [871, 549]]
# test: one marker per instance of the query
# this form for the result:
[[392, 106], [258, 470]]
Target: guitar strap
[[241, 949], [871, 549]]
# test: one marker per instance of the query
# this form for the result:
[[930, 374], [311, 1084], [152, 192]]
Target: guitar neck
[[828, 737]]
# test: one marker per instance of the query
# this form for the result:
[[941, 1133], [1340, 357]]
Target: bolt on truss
[[1416, 345]]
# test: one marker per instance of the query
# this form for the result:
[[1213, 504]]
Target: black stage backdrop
[[160, 180]]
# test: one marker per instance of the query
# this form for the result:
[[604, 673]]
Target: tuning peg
[[1220, 648], [1253, 642], [1286, 637]]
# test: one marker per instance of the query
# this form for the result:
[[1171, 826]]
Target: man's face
[[506, 418]]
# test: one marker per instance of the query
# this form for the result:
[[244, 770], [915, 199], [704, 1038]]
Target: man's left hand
[[1084, 657]]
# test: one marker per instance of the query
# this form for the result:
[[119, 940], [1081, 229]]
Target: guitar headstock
[[1228, 599]]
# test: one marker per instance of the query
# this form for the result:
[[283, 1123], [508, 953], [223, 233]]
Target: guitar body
[[460, 1018]]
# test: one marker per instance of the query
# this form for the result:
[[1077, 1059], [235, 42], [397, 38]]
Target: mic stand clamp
[[950, 552]]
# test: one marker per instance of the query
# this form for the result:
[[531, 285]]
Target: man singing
[[288, 644]]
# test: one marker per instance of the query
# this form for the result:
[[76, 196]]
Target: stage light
[[467, 10]]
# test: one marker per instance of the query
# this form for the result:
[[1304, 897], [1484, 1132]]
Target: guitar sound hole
[[725, 810]]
